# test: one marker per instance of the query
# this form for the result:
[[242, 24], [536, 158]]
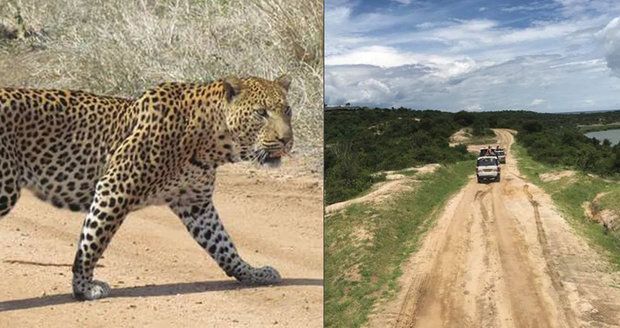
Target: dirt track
[[160, 276], [500, 255]]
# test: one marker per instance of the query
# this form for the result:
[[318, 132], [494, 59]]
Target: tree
[[479, 128], [532, 126], [464, 118]]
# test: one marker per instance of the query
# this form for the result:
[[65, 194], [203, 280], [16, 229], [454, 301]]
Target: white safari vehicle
[[501, 155], [487, 168]]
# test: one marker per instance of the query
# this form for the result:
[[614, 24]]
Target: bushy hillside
[[360, 142], [558, 139], [122, 47]]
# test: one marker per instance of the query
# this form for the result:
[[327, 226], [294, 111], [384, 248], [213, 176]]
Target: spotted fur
[[109, 156]]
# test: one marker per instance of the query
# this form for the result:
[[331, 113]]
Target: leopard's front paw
[[261, 276], [91, 291]]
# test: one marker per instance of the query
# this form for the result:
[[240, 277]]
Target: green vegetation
[[611, 200], [598, 127], [567, 146], [360, 142], [120, 47], [515, 119], [365, 245], [557, 139], [569, 194]]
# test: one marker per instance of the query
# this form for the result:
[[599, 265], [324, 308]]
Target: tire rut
[[500, 255], [553, 274], [478, 270]]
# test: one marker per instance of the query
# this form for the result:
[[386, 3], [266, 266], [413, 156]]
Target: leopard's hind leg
[[9, 182]]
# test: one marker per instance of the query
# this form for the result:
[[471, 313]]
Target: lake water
[[612, 135]]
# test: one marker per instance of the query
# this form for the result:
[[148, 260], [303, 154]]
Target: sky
[[476, 55]]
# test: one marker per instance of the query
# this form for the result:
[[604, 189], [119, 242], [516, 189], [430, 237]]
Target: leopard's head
[[259, 118]]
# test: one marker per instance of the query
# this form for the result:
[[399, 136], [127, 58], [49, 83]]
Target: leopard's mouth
[[272, 160]]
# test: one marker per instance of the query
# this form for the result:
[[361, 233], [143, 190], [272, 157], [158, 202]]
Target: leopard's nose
[[285, 135], [287, 143]]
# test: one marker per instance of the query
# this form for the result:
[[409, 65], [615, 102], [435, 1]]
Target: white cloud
[[611, 38], [573, 8], [522, 83], [372, 55], [472, 107], [372, 91], [382, 56], [530, 7], [428, 59], [487, 35]]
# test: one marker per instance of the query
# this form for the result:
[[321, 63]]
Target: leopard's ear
[[285, 81], [232, 87]]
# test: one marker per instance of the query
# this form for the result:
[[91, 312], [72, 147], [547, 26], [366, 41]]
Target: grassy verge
[[611, 200], [365, 245], [570, 193]]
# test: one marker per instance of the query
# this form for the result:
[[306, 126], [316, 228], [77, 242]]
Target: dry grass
[[122, 47]]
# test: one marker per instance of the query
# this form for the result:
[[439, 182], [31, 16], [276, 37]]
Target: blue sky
[[549, 56]]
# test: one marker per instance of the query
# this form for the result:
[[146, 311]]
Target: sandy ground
[[160, 276], [554, 176], [459, 137], [500, 255]]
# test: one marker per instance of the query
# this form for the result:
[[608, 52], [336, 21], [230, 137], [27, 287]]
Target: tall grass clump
[[121, 47]]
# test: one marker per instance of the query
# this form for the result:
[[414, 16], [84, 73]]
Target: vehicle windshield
[[487, 162], [499, 153]]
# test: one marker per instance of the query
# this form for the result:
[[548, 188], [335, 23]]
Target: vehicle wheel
[[479, 180], [498, 178]]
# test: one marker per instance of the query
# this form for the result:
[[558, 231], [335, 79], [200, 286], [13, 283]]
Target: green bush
[[362, 141], [567, 146]]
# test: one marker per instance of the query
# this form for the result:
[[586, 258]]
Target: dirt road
[[500, 255], [160, 276]]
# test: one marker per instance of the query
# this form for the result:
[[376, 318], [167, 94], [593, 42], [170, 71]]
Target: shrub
[[362, 142]]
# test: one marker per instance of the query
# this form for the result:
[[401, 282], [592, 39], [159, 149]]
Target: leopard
[[108, 156]]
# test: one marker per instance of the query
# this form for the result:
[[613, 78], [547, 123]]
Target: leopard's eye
[[263, 112], [287, 111]]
